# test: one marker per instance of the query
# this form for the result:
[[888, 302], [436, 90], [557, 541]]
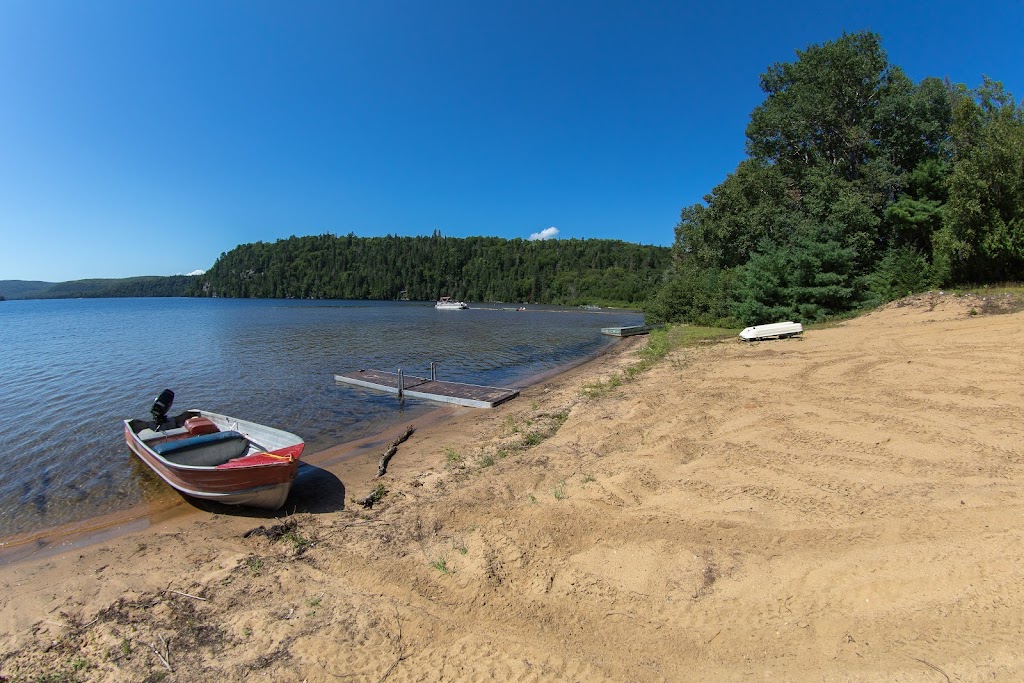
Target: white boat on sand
[[772, 331], [447, 304]]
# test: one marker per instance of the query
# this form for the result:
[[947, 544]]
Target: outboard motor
[[161, 406]]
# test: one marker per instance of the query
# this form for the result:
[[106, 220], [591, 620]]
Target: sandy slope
[[843, 507]]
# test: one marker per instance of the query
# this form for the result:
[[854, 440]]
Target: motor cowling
[[161, 406]]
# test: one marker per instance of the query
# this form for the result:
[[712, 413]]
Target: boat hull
[[772, 331], [261, 479]]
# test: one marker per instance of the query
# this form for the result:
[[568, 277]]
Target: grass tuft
[[441, 565], [660, 343], [452, 458], [254, 565]]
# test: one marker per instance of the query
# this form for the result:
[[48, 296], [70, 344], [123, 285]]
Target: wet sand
[[844, 506]]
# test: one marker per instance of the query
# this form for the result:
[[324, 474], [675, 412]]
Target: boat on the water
[[216, 457], [772, 331], [446, 303]]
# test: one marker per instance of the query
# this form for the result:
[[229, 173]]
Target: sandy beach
[[845, 506]]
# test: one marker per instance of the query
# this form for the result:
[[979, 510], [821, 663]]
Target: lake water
[[71, 370]]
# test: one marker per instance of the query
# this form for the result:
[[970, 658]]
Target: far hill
[[23, 289], [566, 272], [142, 286]]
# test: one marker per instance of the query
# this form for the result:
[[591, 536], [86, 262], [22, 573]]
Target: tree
[[982, 235], [424, 268], [820, 109], [846, 181], [805, 281], [753, 204], [690, 292]]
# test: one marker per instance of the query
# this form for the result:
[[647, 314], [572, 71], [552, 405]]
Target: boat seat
[[208, 450], [148, 434]]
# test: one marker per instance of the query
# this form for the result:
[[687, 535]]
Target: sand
[[845, 506]]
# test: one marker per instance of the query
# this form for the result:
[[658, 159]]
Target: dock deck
[[472, 395], [627, 331]]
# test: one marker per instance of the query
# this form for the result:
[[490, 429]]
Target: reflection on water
[[71, 370]]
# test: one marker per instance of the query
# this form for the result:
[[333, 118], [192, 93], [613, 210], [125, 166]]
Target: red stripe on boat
[[281, 456]]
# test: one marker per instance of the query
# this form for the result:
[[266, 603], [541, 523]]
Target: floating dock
[[472, 395], [625, 331]]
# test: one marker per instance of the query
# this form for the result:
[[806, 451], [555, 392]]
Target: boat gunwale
[[206, 468]]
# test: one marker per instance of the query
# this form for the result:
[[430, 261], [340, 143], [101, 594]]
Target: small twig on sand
[[382, 467], [194, 597], [165, 660], [932, 666], [401, 652], [364, 522]]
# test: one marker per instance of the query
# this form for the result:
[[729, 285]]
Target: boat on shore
[[446, 303], [217, 457], [772, 331]]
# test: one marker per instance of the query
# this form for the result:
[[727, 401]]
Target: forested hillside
[[425, 268], [147, 285], [860, 186], [22, 289]]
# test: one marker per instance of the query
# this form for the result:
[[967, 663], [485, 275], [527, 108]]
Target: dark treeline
[[142, 286], [860, 186], [425, 268]]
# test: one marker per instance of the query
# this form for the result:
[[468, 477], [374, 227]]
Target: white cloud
[[545, 234], [197, 272]]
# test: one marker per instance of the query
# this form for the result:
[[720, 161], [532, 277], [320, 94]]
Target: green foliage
[[861, 186], [441, 565], [753, 204], [566, 272], [300, 544], [807, 281], [698, 295], [820, 109], [452, 458], [602, 388], [145, 286], [255, 564], [982, 237], [901, 272]]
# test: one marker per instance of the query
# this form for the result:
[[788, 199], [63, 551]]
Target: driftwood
[[375, 495], [382, 467], [274, 533], [379, 492]]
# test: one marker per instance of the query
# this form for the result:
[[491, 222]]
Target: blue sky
[[142, 138]]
